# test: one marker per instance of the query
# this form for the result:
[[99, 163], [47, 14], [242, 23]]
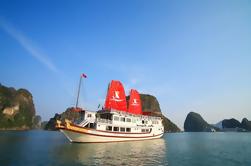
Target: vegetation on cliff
[[17, 111]]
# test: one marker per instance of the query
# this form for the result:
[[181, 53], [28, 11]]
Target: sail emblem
[[116, 96], [135, 102]]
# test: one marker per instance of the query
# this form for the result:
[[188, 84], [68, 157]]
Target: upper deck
[[118, 121]]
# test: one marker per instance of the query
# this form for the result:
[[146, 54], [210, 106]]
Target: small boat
[[115, 122]]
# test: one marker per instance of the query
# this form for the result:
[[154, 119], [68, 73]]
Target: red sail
[[135, 103], [116, 98]]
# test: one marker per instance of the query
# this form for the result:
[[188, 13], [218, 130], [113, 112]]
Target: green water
[[178, 149]]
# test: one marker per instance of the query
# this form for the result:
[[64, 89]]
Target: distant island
[[195, 123], [150, 105], [17, 111]]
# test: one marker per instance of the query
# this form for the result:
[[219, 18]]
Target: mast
[[79, 86]]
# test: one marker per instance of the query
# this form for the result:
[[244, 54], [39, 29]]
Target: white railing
[[84, 123], [104, 120]]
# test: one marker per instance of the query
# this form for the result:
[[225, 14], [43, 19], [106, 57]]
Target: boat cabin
[[115, 121]]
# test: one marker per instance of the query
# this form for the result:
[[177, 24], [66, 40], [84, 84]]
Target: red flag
[[83, 75]]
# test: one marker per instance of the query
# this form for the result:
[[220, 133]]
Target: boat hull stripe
[[82, 132], [108, 131]]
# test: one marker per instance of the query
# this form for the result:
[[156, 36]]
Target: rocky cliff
[[17, 111], [69, 114], [195, 123], [231, 123], [149, 104], [235, 125], [246, 124]]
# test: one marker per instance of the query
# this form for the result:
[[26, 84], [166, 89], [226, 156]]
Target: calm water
[[52, 148]]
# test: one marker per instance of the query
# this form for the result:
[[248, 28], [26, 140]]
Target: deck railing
[[104, 120]]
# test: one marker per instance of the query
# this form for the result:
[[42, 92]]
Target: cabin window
[[115, 128], [143, 130], [109, 128], [122, 129], [89, 115], [143, 121], [115, 118], [155, 122], [128, 119], [105, 116], [122, 119], [128, 129], [147, 130]]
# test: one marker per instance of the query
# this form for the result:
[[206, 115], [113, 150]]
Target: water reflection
[[27, 147], [151, 152]]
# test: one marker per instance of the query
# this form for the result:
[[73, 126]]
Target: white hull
[[74, 136]]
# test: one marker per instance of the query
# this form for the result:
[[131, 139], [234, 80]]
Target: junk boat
[[117, 121]]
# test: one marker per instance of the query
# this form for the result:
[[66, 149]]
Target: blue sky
[[191, 55]]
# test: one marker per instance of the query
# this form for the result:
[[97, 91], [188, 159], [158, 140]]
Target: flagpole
[[79, 86]]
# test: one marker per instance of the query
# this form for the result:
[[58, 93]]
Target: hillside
[[17, 111]]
